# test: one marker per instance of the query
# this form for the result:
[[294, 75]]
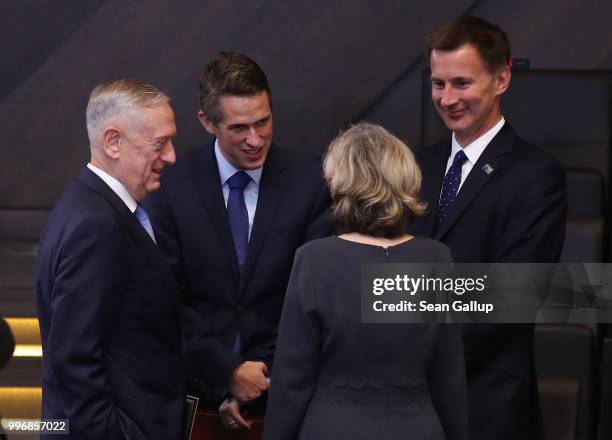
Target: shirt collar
[[227, 170], [116, 186], [474, 149]]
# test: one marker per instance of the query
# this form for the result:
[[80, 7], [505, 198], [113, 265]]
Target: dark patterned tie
[[450, 186], [238, 215]]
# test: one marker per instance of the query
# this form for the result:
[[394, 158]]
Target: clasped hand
[[248, 381]]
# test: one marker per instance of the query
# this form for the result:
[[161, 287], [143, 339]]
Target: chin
[[258, 164], [153, 187], [251, 165], [451, 126], [456, 126]]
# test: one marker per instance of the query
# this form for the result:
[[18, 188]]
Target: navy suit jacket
[[516, 213], [190, 220], [109, 319]]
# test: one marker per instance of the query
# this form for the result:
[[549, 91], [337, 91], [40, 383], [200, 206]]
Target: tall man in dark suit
[[229, 218], [492, 198], [106, 299]]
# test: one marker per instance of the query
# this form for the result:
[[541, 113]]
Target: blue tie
[[238, 215], [450, 186], [143, 218]]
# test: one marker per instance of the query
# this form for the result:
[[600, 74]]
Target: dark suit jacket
[[191, 223], [514, 214], [108, 310]]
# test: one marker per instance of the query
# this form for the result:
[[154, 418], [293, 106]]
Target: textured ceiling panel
[[329, 63]]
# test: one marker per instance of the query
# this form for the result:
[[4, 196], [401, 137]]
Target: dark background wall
[[329, 63]]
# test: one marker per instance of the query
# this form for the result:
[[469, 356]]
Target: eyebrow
[[462, 78], [455, 78], [239, 124]]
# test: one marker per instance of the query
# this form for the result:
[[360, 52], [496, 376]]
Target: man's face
[[145, 148], [465, 93], [245, 132]]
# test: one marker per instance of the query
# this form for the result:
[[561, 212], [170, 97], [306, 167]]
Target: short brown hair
[[233, 74], [374, 182], [490, 40]]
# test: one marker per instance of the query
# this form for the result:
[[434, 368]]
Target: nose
[[169, 155], [253, 138], [447, 97]]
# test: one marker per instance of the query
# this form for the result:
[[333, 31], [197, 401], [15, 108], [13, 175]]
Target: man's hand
[[231, 416], [248, 381]]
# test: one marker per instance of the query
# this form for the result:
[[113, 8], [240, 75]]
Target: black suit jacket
[[516, 213], [190, 220], [108, 310]]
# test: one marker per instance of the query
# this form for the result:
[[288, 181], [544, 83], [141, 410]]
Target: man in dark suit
[[229, 218], [107, 302], [492, 198]]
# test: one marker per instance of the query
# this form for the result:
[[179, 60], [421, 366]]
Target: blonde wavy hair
[[374, 182]]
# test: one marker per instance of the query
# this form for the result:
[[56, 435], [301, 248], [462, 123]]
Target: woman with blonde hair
[[335, 377]]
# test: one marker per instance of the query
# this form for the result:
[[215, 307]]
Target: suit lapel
[[270, 192], [495, 156], [138, 233], [208, 184], [149, 249]]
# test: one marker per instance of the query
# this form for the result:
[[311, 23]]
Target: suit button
[[239, 309]]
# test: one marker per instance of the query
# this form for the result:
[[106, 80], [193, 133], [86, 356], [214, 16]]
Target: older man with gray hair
[[106, 300]]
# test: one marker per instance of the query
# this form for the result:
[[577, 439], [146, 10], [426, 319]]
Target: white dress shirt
[[251, 192], [473, 150]]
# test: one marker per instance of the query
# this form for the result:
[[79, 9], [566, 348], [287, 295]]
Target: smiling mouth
[[253, 152], [455, 113]]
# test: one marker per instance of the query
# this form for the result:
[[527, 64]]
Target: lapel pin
[[487, 168]]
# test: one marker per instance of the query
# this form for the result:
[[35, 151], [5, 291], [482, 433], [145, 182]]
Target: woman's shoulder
[[436, 249], [330, 250], [318, 246]]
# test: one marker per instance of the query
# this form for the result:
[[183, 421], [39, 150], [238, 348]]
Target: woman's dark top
[[335, 377]]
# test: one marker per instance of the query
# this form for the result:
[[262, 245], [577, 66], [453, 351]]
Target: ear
[[207, 123], [502, 80], [111, 139]]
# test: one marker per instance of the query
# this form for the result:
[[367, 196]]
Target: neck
[[109, 169], [103, 166], [376, 241]]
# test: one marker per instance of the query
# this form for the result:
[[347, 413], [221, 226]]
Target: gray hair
[[110, 99]]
